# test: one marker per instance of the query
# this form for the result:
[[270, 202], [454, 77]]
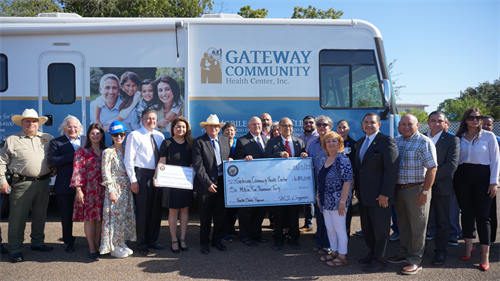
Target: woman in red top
[[87, 181]]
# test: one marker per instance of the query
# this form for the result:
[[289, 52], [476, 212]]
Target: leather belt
[[40, 178], [402, 186], [144, 169]]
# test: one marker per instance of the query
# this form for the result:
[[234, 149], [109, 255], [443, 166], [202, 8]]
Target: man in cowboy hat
[[26, 154], [209, 150]]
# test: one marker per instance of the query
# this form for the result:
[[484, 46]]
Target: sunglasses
[[308, 122], [472, 118], [322, 124], [122, 134]]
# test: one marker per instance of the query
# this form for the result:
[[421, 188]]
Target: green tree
[[419, 113], [313, 13], [247, 12], [27, 8], [141, 8], [455, 108]]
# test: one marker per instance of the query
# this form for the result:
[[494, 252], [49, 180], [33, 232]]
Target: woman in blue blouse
[[334, 194]]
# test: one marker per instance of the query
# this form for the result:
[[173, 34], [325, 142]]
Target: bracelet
[[342, 202]]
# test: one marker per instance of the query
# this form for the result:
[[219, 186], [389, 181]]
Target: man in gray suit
[[285, 146], [377, 166], [448, 151]]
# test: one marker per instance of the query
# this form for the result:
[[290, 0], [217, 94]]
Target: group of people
[[115, 192]]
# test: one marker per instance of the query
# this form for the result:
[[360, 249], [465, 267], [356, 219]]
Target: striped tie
[[288, 150]]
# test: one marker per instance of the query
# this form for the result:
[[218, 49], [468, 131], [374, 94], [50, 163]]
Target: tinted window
[[3, 73], [349, 78], [61, 83]]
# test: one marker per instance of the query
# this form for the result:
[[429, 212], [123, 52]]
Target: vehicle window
[[3, 73], [61, 83], [349, 79]]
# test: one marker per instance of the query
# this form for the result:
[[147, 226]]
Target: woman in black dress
[[177, 151]]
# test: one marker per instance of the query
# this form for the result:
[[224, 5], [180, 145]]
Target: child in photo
[[148, 98]]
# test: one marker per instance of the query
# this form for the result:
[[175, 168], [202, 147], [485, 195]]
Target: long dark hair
[[463, 126], [155, 101], [127, 100], [188, 137], [174, 87], [102, 142]]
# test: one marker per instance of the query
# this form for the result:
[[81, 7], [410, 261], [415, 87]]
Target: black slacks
[[376, 227], [250, 220], [286, 216], [147, 209], [212, 205], [471, 184], [441, 206], [65, 202]]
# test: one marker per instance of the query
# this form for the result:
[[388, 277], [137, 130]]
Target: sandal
[[329, 257], [184, 249], [324, 251], [338, 261], [172, 248]]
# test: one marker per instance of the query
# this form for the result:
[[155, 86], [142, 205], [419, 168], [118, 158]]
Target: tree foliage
[[27, 8], [314, 13], [138, 8], [419, 113], [485, 96], [247, 12]]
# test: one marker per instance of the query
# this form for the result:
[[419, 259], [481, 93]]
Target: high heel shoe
[[184, 249], [466, 258], [484, 267], [172, 249]]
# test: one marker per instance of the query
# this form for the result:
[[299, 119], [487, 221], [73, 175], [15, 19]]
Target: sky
[[441, 47]]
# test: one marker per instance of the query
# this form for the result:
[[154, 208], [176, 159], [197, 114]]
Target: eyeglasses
[[322, 124], [308, 122], [286, 126], [472, 118], [122, 134]]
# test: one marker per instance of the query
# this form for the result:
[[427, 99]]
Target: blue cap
[[116, 127]]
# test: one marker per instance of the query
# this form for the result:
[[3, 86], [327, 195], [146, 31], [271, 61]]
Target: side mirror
[[387, 97], [50, 121]]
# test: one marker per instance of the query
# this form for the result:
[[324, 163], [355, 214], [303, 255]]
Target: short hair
[[285, 118], [147, 111], [488, 117], [371, 114], [65, 123], [227, 125], [436, 112], [324, 117], [332, 134], [108, 76], [308, 117], [342, 120], [102, 142]]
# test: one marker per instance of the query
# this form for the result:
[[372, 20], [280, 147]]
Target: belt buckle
[[37, 179]]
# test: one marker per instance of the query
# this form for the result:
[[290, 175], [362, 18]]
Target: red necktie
[[288, 150]]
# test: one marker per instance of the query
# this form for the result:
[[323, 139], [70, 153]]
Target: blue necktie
[[363, 149]]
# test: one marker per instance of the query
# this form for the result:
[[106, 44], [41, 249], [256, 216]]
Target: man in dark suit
[[285, 146], [448, 152], [251, 146], [209, 150], [62, 152], [377, 166]]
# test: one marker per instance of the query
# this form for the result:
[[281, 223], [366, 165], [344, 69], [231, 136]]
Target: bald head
[[408, 125], [255, 126]]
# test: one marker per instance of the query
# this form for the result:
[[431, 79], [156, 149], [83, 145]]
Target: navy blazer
[[275, 146], [61, 156], [205, 164], [378, 172], [246, 145], [448, 152]]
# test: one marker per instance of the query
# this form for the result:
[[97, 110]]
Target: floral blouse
[[331, 182]]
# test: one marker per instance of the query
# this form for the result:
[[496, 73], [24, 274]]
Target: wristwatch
[[425, 192]]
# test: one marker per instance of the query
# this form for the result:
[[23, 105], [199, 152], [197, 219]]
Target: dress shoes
[[17, 257], [157, 246], [219, 246], [205, 249], [70, 248], [305, 228], [43, 248], [261, 240], [411, 269], [295, 245], [366, 260], [396, 259], [145, 252], [250, 243], [93, 256], [278, 247], [374, 266], [438, 260]]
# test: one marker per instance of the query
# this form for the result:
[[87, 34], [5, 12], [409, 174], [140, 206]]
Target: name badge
[[347, 150]]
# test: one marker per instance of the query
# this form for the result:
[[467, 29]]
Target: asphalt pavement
[[239, 262]]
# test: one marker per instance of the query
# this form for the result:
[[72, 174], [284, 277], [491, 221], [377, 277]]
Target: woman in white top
[[476, 182]]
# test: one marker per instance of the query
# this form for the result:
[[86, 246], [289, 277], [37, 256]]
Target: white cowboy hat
[[29, 113], [212, 120]]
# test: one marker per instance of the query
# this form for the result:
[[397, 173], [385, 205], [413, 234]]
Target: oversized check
[[269, 182], [174, 176]]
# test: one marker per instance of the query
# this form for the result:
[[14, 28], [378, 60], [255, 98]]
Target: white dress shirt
[[139, 151], [482, 152], [290, 143], [436, 137]]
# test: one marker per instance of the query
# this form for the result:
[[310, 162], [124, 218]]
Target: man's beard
[[267, 129]]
